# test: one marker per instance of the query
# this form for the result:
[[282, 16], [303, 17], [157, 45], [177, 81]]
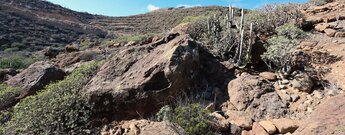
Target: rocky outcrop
[[328, 118], [35, 77], [136, 83]]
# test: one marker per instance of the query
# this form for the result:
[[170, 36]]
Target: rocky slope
[[134, 81]]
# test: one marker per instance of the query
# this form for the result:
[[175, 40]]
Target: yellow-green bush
[[17, 61], [280, 47], [58, 109], [7, 95], [193, 118], [290, 31]]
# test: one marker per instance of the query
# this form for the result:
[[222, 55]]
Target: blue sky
[[132, 7]]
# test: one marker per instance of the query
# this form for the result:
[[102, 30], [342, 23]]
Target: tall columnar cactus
[[239, 59], [224, 45]]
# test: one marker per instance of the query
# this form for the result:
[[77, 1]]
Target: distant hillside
[[35, 24], [154, 22]]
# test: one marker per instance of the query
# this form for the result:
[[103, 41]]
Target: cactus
[[224, 45], [239, 60]]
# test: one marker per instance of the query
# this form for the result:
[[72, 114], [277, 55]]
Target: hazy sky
[[132, 7]]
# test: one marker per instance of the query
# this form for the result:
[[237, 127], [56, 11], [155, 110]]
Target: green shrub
[[270, 17], [193, 118], [198, 29], [280, 47], [290, 31], [17, 61], [7, 95], [58, 109], [319, 2]]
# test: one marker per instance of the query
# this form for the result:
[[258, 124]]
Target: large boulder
[[35, 77], [256, 97], [269, 105], [243, 90], [328, 118], [138, 80]]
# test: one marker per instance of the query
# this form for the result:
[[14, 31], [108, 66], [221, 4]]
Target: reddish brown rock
[[321, 27], [286, 125], [256, 97], [258, 129], [330, 32], [244, 132], [240, 119], [136, 83], [244, 89], [268, 126], [35, 77]]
